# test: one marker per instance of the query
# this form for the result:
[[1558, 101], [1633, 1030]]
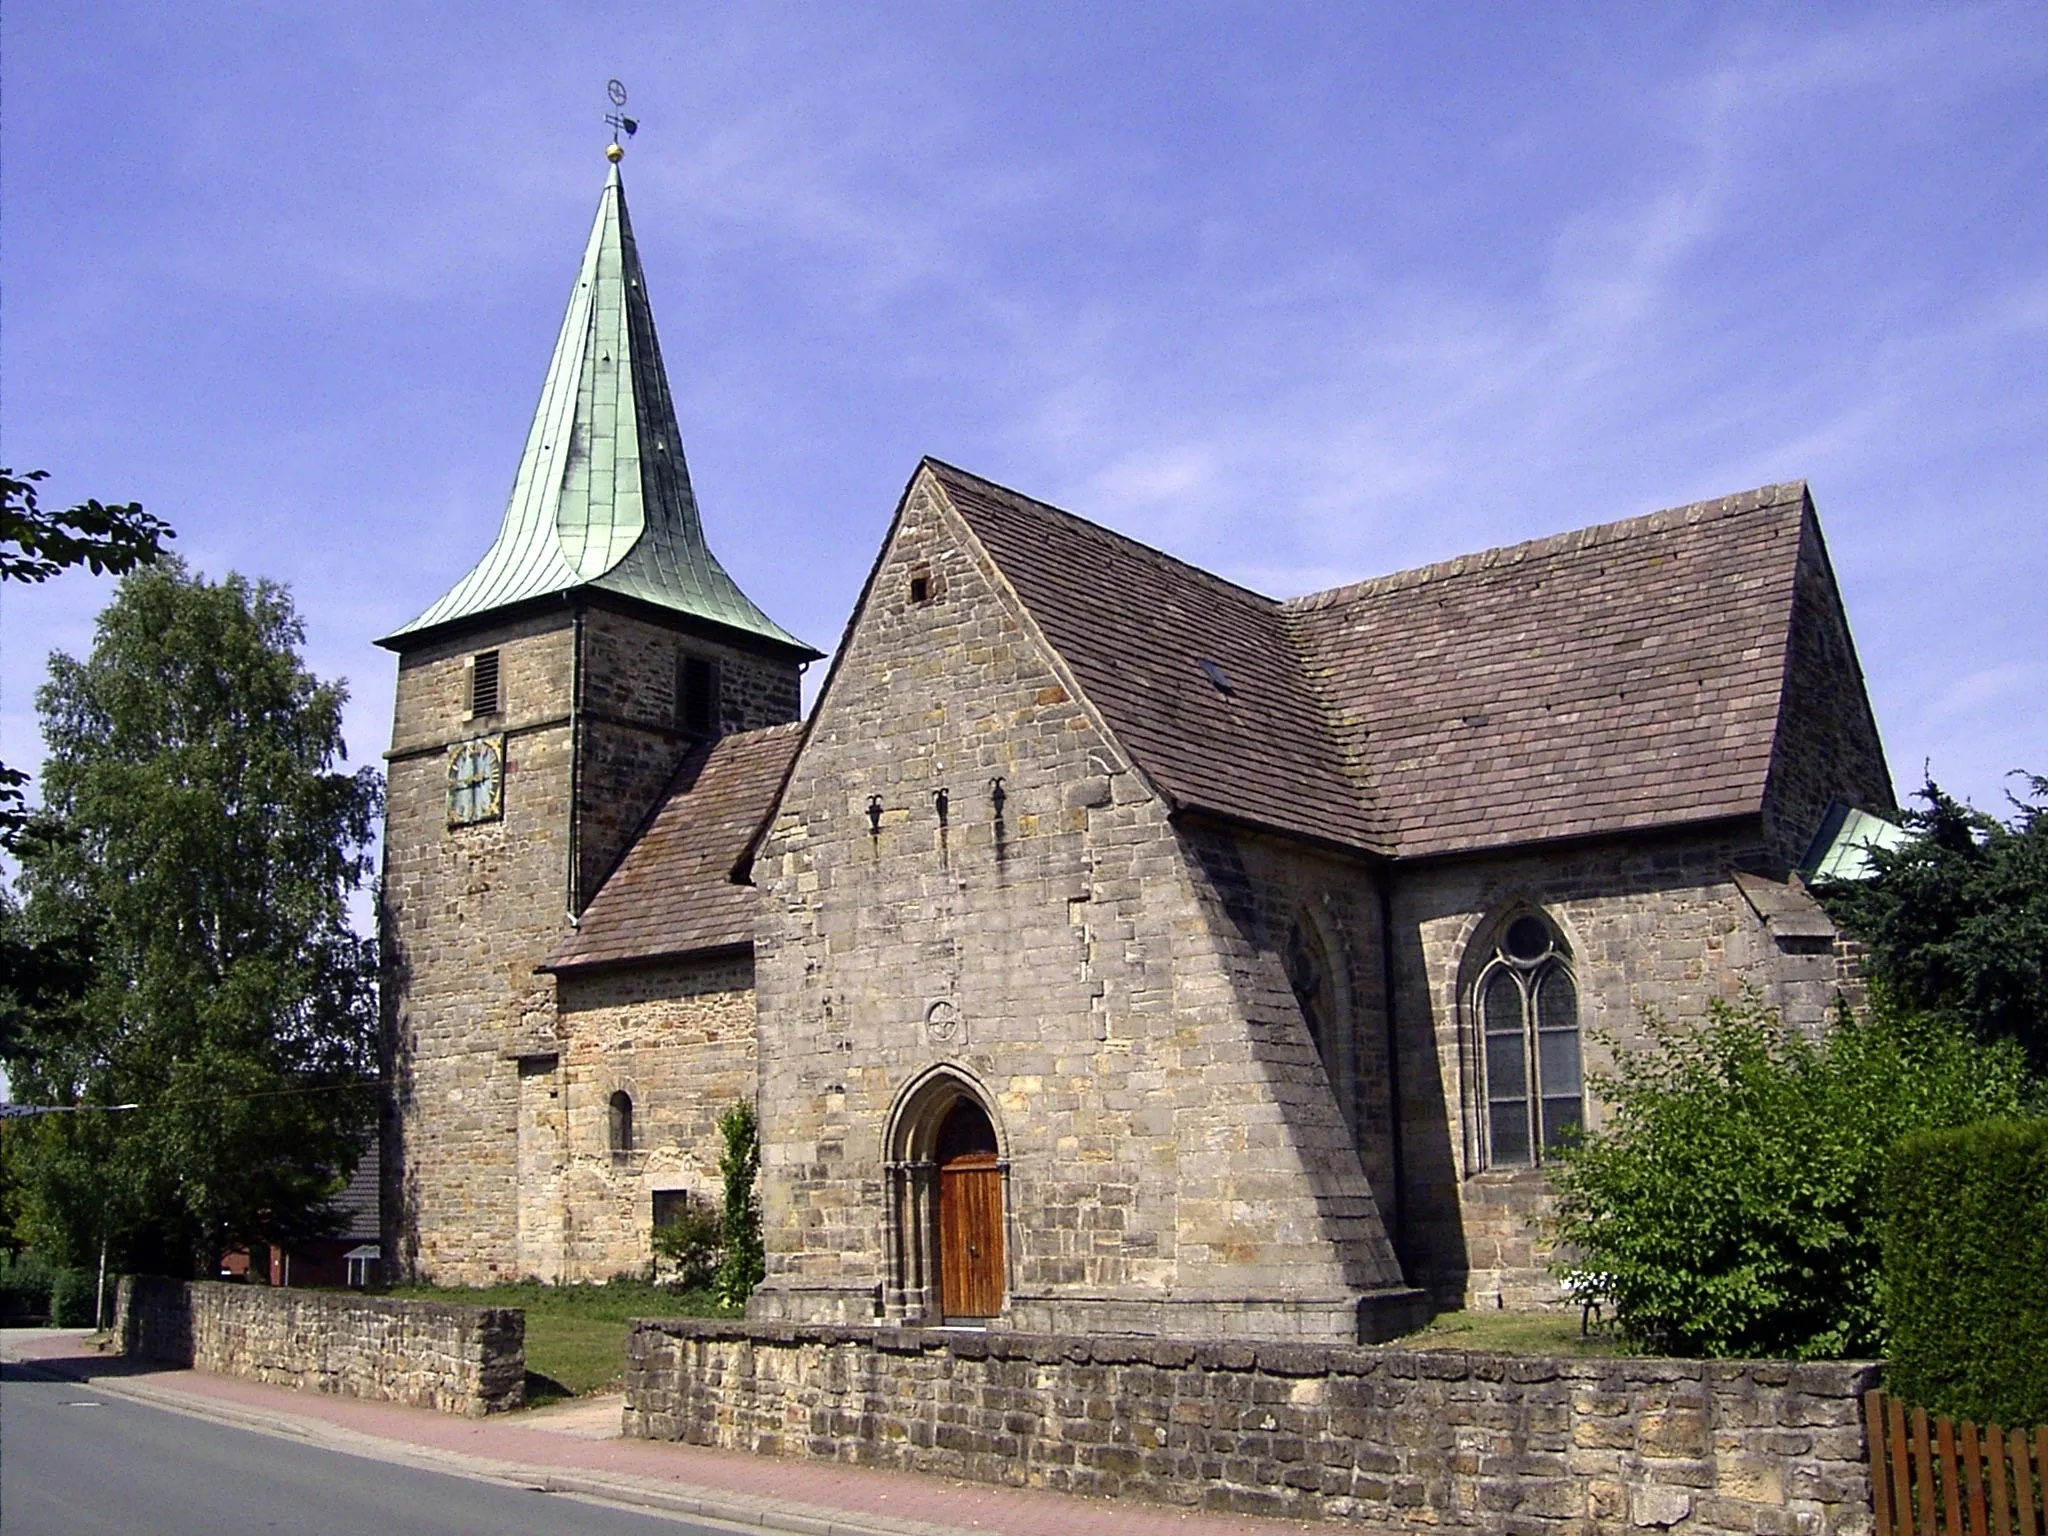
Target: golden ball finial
[[615, 153]]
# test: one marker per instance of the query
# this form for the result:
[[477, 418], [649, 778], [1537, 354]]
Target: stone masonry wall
[[467, 914], [466, 1360], [1651, 923], [679, 1040], [1169, 1152], [1265, 885], [1391, 1439]]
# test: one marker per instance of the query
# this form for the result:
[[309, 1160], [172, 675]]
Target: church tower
[[543, 706]]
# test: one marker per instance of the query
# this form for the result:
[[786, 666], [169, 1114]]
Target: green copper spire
[[603, 496]]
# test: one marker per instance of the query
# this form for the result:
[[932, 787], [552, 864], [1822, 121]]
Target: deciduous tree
[[196, 850]]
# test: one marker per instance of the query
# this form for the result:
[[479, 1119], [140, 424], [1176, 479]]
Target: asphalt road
[[75, 1461]]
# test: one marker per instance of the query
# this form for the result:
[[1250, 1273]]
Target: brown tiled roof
[[1135, 626], [1620, 677], [673, 893]]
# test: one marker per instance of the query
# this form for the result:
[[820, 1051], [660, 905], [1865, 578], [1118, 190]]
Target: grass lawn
[[1513, 1333], [575, 1334]]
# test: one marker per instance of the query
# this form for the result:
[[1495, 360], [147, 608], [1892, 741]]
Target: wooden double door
[[971, 1256]]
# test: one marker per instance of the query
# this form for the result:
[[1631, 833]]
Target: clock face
[[476, 780]]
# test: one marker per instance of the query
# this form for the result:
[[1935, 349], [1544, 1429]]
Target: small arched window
[[621, 1127], [1527, 1008]]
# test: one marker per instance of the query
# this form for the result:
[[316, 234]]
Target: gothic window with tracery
[[1527, 1009]]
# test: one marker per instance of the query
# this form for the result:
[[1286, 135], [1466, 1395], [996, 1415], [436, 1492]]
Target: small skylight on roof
[[1215, 674]]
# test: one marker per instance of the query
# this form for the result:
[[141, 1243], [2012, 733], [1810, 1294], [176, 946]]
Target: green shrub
[[73, 1295], [1730, 1204], [744, 1263], [690, 1244], [25, 1281], [1965, 1238]]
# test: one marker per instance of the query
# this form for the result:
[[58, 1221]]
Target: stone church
[[1113, 948]]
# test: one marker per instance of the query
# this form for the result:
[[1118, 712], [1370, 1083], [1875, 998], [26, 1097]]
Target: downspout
[[573, 885], [1389, 994]]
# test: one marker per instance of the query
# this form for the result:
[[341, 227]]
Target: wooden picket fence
[[1940, 1478]]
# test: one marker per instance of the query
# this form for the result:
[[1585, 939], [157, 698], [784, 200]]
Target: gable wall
[[1153, 1132], [1827, 744]]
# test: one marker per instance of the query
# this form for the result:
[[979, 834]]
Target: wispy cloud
[[1979, 691]]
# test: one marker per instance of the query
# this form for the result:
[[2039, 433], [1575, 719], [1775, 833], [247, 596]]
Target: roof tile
[[673, 893]]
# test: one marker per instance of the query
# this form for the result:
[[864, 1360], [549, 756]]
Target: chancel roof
[[602, 500], [674, 892], [1624, 676]]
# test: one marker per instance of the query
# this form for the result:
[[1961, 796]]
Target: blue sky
[[1304, 293]]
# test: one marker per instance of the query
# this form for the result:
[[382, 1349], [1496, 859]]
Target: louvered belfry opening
[[483, 683]]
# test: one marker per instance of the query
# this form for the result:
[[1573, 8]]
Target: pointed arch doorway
[[948, 1251]]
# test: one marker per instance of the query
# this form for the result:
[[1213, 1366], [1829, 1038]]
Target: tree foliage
[[1729, 1206], [1956, 918], [744, 1261], [34, 546], [193, 859]]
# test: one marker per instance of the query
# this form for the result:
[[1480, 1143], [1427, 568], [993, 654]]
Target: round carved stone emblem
[[942, 1023]]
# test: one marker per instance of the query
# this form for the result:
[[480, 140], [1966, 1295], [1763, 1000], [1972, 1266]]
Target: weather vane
[[618, 121]]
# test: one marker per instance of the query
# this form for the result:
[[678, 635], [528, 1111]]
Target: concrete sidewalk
[[575, 1448]]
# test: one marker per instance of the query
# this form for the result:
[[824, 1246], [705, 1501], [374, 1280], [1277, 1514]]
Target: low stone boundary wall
[[467, 1360], [1392, 1438]]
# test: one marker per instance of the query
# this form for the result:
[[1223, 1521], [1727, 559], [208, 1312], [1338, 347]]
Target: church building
[[1113, 948]]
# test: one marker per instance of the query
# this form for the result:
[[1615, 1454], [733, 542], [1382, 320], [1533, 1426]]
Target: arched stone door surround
[[949, 1175]]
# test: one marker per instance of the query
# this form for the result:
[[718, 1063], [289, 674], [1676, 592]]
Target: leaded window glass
[[1527, 1008]]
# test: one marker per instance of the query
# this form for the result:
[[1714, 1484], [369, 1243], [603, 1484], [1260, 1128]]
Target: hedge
[[1965, 1276], [73, 1296]]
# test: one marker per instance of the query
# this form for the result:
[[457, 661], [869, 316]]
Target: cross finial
[[617, 121]]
